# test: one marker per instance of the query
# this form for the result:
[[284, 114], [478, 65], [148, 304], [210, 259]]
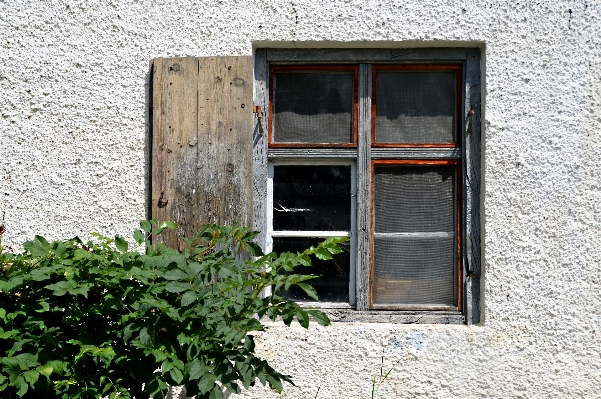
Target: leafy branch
[[96, 319]]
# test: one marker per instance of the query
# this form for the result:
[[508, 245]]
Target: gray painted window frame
[[469, 153]]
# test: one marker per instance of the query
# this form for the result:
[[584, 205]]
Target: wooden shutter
[[201, 143]]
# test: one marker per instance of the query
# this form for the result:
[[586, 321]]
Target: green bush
[[89, 320]]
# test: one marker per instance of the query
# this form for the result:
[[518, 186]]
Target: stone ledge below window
[[393, 317]]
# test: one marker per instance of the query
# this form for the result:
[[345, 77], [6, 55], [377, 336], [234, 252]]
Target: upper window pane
[[416, 107], [315, 198], [313, 107]]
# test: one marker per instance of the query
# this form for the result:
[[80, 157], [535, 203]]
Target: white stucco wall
[[73, 139]]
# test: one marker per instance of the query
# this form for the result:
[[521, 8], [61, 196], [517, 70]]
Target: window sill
[[394, 317]]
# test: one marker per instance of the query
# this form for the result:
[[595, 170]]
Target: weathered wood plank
[[354, 56], [202, 148], [362, 268], [261, 99], [472, 170]]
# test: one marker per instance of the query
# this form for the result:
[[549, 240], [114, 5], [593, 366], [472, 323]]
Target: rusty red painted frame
[[418, 67], [275, 68], [417, 162]]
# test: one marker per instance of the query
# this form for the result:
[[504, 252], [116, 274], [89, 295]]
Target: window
[[380, 145], [380, 149]]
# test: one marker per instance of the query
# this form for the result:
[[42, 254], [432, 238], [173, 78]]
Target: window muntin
[[415, 241], [313, 106], [415, 105]]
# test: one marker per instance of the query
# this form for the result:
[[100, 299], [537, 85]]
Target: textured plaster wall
[[74, 145]]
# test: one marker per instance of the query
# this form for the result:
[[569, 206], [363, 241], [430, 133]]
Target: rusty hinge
[[258, 111], [470, 116]]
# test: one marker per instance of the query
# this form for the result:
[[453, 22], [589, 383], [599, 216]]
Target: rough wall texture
[[74, 142]]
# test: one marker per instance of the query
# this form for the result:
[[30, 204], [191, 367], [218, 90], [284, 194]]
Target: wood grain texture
[[355, 56], [363, 190], [472, 168], [202, 143], [261, 98]]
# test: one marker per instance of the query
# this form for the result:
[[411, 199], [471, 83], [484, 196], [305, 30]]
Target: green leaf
[[139, 236], [197, 368], [121, 244], [254, 249], [275, 383], [31, 376], [145, 337], [3, 314], [320, 317], [322, 253], [166, 366], [11, 366], [129, 330], [309, 290], [332, 248], [177, 375], [176, 286], [45, 369], [21, 385], [206, 382], [303, 318], [27, 360], [304, 260], [167, 225], [146, 226], [189, 298], [175, 275], [18, 345], [216, 393], [38, 247]]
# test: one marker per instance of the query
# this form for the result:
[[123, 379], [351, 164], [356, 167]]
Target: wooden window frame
[[417, 68], [270, 233], [313, 68], [466, 152], [459, 218]]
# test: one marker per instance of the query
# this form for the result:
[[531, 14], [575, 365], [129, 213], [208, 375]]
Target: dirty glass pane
[[416, 107], [415, 235], [307, 197], [333, 285], [313, 107], [414, 199]]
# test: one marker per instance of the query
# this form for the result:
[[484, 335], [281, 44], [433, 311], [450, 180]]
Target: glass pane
[[415, 235], [316, 198], [416, 107], [414, 271], [313, 107], [414, 199], [333, 285]]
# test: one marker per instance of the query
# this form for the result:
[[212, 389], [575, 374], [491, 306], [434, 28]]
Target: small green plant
[[96, 319], [383, 377]]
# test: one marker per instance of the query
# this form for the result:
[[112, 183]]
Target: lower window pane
[[333, 285], [415, 236], [414, 271]]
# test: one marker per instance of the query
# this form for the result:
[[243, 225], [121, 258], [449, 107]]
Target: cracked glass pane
[[333, 283], [314, 198]]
